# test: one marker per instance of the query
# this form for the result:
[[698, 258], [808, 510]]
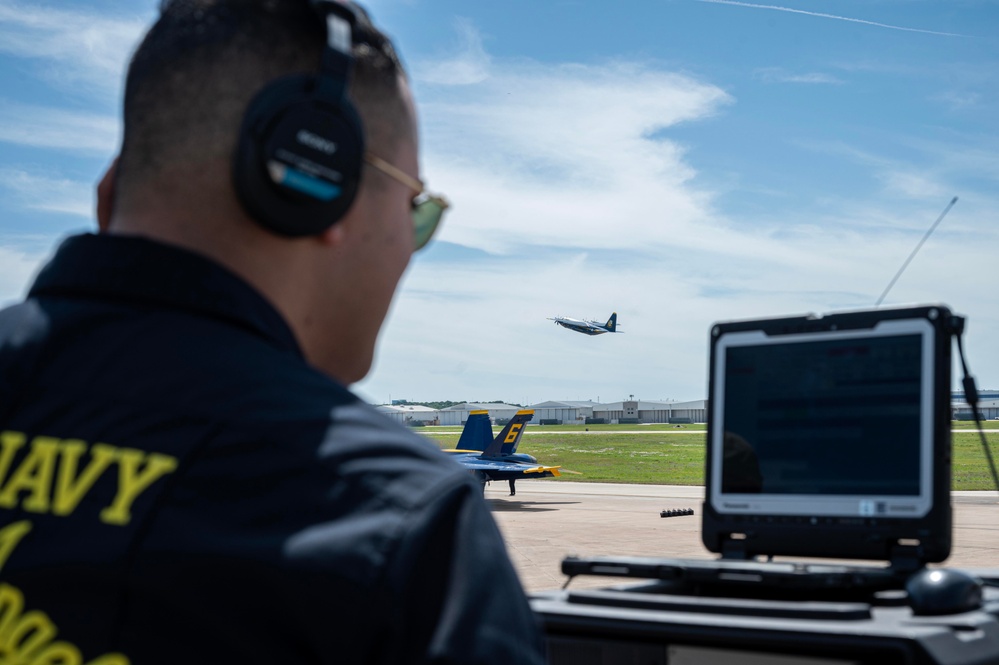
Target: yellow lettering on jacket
[[136, 472], [71, 487], [10, 443], [49, 478], [10, 536], [34, 475], [27, 638]]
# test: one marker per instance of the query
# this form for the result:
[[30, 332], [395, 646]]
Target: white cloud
[[567, 155], [87, 48], [959, 101], [52, 194], [469, 65], [778, 75], [907, 183], [17, 267], [966, 156], [75, 131], [906, 179]]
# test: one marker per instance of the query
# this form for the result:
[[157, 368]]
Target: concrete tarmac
[[548, 520]]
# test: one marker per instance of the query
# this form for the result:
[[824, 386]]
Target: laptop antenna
[[920, 244]]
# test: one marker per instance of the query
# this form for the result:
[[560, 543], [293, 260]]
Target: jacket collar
[[142, 271]]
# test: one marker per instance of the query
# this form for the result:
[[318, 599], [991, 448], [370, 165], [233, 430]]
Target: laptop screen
[[818, 423]]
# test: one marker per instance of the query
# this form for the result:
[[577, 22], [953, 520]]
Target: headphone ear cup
[[297, 164]]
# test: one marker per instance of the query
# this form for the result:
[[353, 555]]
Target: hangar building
[[458, 414], [408, 414], [562, 413], [642, 411], [559, 412], [987, 408]]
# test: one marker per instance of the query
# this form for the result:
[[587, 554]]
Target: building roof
[[475, 406], [563, 405], [653, 405], [983, 404], [406, 408]]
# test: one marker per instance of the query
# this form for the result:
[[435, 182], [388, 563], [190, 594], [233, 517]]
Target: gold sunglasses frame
[[417, 186]]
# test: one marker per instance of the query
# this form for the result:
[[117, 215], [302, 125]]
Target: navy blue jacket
[[177, 485]]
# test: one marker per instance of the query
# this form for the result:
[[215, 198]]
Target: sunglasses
[[428, 209]]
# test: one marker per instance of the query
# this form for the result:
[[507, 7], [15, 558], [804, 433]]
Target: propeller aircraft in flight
[[588, 327]]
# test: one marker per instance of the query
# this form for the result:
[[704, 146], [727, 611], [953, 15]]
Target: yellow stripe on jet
[[541, 469]]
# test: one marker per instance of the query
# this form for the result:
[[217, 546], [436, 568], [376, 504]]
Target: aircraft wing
[[496, 470]]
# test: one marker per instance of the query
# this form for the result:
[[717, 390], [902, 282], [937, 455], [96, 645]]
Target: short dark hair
[[199, 65]]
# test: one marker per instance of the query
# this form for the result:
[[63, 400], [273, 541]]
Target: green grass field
[[667, 455], [970, 424]]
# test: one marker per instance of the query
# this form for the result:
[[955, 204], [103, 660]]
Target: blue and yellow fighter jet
[[497, 458]]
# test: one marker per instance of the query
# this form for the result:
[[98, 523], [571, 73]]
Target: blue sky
[[680, 162]]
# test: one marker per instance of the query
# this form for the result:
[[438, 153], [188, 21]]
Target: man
[[184, 477]]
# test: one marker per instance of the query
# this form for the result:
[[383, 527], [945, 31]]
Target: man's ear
[[333, 236], [347, 226], [105, 197], [353, 223]]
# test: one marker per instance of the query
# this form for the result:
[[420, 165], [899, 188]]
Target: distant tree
[[448, 403], [437, 405]]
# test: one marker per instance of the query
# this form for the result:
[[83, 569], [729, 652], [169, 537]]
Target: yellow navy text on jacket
[[50, 478]]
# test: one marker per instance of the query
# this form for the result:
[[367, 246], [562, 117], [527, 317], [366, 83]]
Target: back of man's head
[[187, 92], [201, 63]]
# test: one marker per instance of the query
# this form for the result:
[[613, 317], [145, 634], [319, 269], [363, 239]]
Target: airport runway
[[548, 520]]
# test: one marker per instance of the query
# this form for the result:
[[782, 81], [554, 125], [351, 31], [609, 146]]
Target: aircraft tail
[[506, 441], [611, 324], [478, 432]]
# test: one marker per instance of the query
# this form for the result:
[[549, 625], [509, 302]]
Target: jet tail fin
[[507, 440], [611, 324], [478, 432]]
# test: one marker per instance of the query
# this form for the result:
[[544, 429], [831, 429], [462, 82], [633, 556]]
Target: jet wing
[[496, 470]]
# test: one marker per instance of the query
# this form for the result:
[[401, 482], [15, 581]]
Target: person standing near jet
[[184, 476]]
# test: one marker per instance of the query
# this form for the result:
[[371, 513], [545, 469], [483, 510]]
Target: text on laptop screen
[[834, 422]]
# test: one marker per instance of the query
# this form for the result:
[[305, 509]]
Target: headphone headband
[[340, 20], [297, 165]]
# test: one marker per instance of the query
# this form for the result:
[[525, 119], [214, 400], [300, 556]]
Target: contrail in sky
[[838, 18]]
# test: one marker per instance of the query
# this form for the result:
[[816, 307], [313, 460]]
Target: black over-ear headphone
[[297, 162]]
